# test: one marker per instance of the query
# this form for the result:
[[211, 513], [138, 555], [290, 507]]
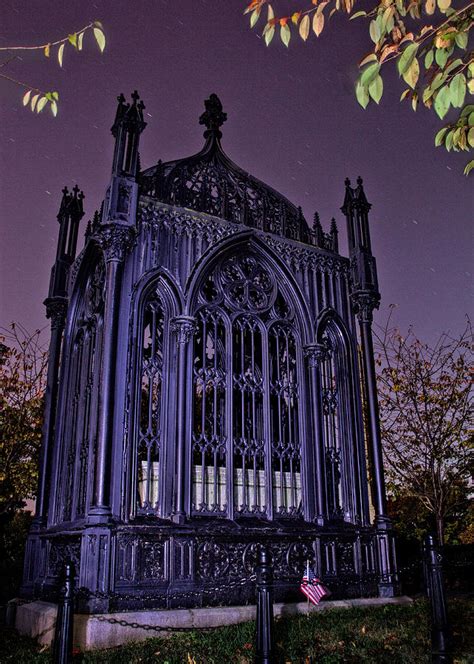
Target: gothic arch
[[156, 300], [247, 441], [342, 433], [245, 242], [80, 375]]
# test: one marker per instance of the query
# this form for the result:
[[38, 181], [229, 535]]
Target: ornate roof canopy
[[211, 182]]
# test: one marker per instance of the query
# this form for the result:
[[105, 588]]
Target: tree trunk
[[440, 528]]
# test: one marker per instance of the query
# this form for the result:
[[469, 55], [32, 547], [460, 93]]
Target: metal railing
[[431, 562]]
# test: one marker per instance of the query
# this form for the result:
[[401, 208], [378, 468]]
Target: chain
[[145, 626]]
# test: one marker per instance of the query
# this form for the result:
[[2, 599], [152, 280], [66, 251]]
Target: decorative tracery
[[209, 439], [246, 430], [80, 424], [285, 435], [331, 403], [149, 407]]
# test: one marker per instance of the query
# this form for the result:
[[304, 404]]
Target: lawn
[[392, 634]]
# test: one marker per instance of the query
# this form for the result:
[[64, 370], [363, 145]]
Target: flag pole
[[307, 581]]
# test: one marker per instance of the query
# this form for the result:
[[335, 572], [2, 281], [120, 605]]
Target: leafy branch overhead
[[37, 99], [428, 39]]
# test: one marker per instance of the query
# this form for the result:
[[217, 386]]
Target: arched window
[[81, 423], [149, 407], [339, 425], [284, 420], [332, 440], [246, 419], [209, 440]]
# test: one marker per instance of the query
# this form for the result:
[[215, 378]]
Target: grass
[[389, 634]]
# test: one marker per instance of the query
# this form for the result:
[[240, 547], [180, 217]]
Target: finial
[[213, 117], [135, 96], [359, 181], [333, 226], [316, 222], [347, 182], [75, 190], [65, 191]]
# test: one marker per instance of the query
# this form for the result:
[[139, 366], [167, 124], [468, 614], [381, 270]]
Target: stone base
[[37, 619]]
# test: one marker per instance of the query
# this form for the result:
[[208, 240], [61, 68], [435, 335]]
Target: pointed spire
[[333, 234], [213, 117], [71, 203], [70, 214], [318, 231], [127, 127]]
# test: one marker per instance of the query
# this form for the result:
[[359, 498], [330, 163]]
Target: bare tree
[[425, 406]]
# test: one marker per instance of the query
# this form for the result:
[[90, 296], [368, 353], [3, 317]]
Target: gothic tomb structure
[[211, 388]]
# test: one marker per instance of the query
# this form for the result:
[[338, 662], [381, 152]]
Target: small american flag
[[312, 587]]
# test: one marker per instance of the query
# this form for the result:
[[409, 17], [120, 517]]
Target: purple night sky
[[293, 122]]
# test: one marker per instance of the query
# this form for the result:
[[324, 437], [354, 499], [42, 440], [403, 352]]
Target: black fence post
[[440, 633], [264, 640], [62, 647]]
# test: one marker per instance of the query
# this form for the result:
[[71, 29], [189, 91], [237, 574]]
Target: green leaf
[[285, 34], [374, 31], [72, 39], [406, 58], [444, 4], [254, 16], [469, 166], [452, 65], [427, 94], [357, 14], [438, 81], [469, 108], [60, 55], [100, 39], [304, 27], [368, 58], [376, 89], [80, 38], [369, 73], [412, 74], [470, 137], [449, 140], [470, 120], [54, 108], [429, 57], [26, 98], [362, 94], [33, 102], [461, 39], [440, 136], [441, 57], [269, 34], [457, 90], [55, 95], [404, 94], [41, 104], [442, 101]]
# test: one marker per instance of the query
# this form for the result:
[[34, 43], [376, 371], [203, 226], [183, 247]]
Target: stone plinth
[[37, 619]]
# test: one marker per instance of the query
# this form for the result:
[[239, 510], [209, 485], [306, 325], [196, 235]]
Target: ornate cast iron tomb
[[205, 393]]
